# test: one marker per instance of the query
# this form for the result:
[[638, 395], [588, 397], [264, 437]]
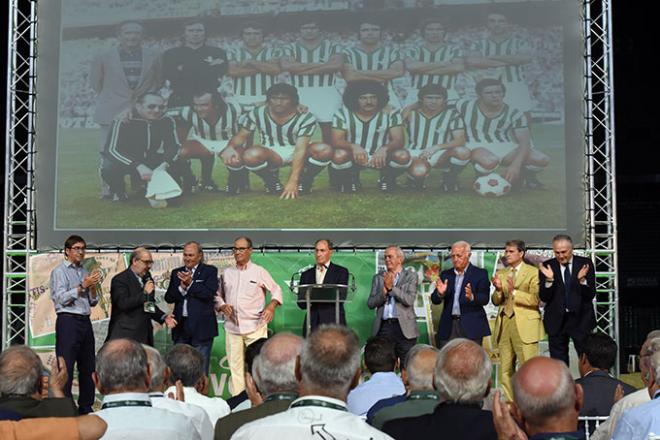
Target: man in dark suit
[[465, 289], [192, 289], [568, 287], [393, 294], [129, 291], [598, 385], [323, 272], [463, 379]]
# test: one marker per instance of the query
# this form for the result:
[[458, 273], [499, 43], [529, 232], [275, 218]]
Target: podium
[[322, 294]]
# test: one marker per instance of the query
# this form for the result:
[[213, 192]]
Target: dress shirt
[[184, 292], [311, 417], [215, 407], [64, 282], [642, 422], [389, 310], [417, 404], [64, 428], [458, 282], [240, 289], [195, 413], [379, 386], [606, 429], [321, 270], [133, 417]]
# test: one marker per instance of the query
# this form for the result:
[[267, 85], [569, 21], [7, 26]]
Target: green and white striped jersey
[[276, 135], [320, 54], [380, 59], [444, 54], [371, 134], [481, 128], [509, 47], [424, 132], [257, 84], [222, 130]]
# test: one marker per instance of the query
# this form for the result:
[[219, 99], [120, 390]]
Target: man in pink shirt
[[241, 299]]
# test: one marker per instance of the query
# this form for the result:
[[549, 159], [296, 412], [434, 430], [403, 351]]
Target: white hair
[[462, 371], [462, 244]]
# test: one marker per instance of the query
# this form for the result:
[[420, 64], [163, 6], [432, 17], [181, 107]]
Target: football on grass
[[492, 185]]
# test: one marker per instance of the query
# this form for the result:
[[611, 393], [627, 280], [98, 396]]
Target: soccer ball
[[492, 185]]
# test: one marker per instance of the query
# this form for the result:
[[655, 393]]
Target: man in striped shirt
[[364, 134], [207, 126], [499, 134], [435, 61], [253, 67], [370, 59], [436, 139], [313, 63], [285, 134], [502, 55], [140, 144]]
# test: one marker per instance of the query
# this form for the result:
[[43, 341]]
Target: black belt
[[391, 321], [455, 317], [73, 315]]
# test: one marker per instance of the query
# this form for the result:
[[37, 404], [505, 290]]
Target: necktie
[[567, 282], [508, 304]]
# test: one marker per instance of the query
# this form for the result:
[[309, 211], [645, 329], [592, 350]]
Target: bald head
[[463, 371], [420, 367], [546, 395], [122, 366], [20, 371], [274, 369]]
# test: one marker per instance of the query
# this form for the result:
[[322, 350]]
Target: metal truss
[[599, 172]]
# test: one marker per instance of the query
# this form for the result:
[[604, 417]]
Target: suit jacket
[[473, 316], [127, 316], [108, 80], [599, 389], [323, 313], [582, 318], [31, 408], [449, 420], [229, 424], [404, 293], [525, 303], [201, 324]]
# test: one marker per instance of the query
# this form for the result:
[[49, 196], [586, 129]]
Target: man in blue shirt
[[73, 290]]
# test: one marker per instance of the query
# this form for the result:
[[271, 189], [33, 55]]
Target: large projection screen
[[97, 57]]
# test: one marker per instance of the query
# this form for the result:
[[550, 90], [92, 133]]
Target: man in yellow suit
[[518, 327]]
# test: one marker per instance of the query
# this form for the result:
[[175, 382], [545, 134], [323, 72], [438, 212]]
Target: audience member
[[160, 375], [643, 422], [328, 367], [274, 373], [463, 379], [421, 397], [23, 385], [606, 429], [546, 403], [123, 377], [381, 362], [88, 427], [187, 365]]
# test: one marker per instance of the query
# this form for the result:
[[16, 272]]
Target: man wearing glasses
[[242, 299], [73, 290], [133, 306]]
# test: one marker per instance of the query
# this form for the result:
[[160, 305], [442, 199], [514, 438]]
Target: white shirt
[[307, 419], [320, 274], [380, 386], [605, 430], [195, 413], [215, 407], [131, 416], [184, 292]]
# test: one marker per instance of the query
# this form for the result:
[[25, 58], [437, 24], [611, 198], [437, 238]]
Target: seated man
[[364, 134], [205, 128], [499, 134], [187, 365], [123, 377], [140, 144], [463, 379], [381, 361], [23, 385], [436, 138], [285, 135], [88, 427], [598, 385]]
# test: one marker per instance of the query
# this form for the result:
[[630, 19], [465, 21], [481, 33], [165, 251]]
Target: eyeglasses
[[78, 249], [148, 261], [240, 249], [156, 107]]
